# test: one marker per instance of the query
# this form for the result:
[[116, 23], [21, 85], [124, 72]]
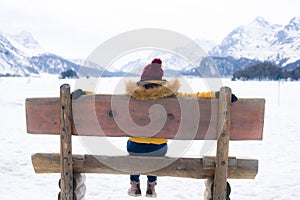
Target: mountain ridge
[[246, 45], [263, 41]]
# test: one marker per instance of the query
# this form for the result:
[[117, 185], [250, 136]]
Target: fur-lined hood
[[167, 89]]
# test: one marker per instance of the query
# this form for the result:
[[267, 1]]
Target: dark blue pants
[[140, 149]]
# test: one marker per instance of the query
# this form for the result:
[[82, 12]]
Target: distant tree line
[[266, 71], [9, 75], [68, 74]]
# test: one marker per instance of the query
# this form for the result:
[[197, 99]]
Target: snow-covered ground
[[278, 152]]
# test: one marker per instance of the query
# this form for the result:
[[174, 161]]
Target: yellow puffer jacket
[[204, 95], [166, 90], [148, 140]]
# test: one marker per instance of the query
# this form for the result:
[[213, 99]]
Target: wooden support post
[[220, 179], [66, 165]]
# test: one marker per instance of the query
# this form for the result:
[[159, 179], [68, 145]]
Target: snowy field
[[278, 152]]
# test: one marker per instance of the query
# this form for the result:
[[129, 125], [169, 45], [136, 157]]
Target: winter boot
[[135, 189], [151, 189]]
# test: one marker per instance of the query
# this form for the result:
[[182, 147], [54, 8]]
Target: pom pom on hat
[[156, 60]]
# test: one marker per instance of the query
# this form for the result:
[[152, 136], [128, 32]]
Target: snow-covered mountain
[[245, 46], [24, 43], [263, 41], [13, 53], [172, 63], [258, 41], [21, 55], [206, 45]]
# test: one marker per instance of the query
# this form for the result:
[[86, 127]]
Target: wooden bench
[[220, 120]]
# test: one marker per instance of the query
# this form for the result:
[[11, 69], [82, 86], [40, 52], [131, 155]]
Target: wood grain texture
[[220, 178], [198, 168], [95, 115], [66, 167]]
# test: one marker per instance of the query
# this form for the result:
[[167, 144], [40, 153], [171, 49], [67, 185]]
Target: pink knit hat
[[153, 71]]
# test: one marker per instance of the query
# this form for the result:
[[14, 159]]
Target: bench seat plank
[[198, 168]]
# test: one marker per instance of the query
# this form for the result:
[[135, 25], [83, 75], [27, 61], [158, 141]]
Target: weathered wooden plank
[[198, 168], [66, 167], [94, 115], [220, 178]]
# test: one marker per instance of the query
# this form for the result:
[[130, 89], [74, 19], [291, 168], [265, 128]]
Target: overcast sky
[[74, 29]]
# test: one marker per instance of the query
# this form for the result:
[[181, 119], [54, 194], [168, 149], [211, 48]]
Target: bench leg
[[66, 163], [221, 170]]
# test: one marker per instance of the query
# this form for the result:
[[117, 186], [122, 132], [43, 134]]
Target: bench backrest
[[171, 118], [95, 115]]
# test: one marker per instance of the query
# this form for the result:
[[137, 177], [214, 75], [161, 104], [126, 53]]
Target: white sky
[[74, 28]]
